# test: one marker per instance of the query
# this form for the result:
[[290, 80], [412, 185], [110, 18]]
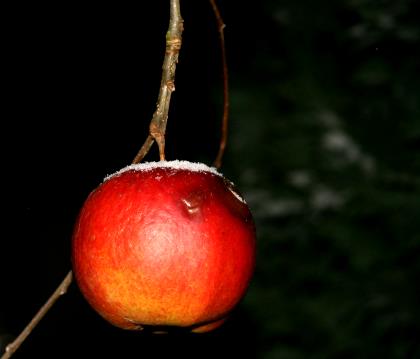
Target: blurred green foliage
[[326, 123]]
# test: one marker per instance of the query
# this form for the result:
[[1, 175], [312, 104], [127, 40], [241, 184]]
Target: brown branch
[[144, 149], [224, 133], [62, 289], [159, 120]]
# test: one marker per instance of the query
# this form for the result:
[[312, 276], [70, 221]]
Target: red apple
[[164, 244]]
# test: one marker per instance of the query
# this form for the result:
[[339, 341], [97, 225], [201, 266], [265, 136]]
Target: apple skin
[[164, 247]]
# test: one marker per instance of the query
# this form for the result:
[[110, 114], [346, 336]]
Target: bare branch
[[62, 289], [144, 149], [224, 133], [167, 86]]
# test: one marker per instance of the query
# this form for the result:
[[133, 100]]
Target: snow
[[175, 165], [236, 194]]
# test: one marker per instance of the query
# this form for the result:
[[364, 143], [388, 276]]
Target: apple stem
[[159, 120], [225, 119], [61, 290]]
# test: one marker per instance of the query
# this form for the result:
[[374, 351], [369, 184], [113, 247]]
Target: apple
[[164, 244]]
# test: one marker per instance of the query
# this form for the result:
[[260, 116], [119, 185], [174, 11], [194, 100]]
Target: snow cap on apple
[[164, 244]]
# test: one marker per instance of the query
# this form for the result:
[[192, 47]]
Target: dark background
[[324, 144]]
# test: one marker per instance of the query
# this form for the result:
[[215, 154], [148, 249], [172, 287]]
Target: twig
[[144, 149], [223, 139], [62, 289], [159, 120]]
